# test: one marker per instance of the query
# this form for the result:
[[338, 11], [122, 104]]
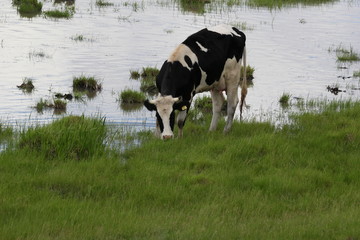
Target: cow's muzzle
[[164, 137]]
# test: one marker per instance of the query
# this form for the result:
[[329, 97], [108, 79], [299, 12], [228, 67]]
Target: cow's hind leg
[[232, 101], [232, 86], [217, 102]]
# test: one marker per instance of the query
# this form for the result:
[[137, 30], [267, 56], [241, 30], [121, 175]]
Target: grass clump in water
[[345, 54], [27, 85], [102, 3], [28, 8], [147, 78], [43, 104], [356, 74], [131, 96], [58, 105], [285, 100], [249, 73], [63, 13], [278, 4], [149, 72], [84, 83]]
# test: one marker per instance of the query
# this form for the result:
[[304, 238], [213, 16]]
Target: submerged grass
[[86, 83], [356, 74], [131, 96], [285, 100], [297, 182], [344, 54], [278, 4], [27, 85], [102, 3], [63, 13], [28, 8], [147, 78]]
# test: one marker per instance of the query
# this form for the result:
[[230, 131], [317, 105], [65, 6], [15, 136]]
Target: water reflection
[[288, 49]]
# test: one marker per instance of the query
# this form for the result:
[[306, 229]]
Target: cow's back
[[213, 47]]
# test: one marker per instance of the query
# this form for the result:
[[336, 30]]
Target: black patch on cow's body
[[188, 61], [149, 106], [175, 80]]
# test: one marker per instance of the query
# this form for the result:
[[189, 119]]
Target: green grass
[[356, 74], [249, 72], [344, 54], [27, 85], [131, 96], [28, 8], [147, 78], [147, 72], [86, 83], [134, 74], [63, 13], [6, 132], [59, 104], [70, 138], [278, 4], [257, 182], [42, 104], [285, 100], [102, 3]]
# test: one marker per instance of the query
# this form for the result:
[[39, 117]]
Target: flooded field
[[293, 50]]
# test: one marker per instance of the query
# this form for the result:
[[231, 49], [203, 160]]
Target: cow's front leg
[[217, 98], [181, 121], [232, 101]]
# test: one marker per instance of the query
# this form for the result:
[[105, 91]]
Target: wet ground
[[288, 47]]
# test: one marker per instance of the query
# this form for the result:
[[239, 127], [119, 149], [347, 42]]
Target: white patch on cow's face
[[202, 48], [164, 107], [224, 29]]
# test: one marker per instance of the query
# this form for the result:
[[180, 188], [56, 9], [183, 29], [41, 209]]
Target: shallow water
[[288, 49]]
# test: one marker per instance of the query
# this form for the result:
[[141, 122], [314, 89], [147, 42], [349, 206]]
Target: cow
[[208, 60]]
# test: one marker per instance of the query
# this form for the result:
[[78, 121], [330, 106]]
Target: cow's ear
[[149, 106], [181, 105]]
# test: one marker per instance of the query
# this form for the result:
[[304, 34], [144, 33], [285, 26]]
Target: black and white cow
[[209, 60]]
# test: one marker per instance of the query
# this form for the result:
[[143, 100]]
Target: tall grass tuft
[[63, 13], [278, 4], [147, 78], [70, 138], [285, 100], [28, 8], [131, 96], [85, 83], [27, 85], [344, 54], [356, 74]]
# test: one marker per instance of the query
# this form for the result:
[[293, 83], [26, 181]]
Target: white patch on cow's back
[[202, 48], [179, 55], [224, 29]]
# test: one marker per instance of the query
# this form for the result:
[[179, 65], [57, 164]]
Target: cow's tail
[[244, 83]]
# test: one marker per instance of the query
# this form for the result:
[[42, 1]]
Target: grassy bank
[[257, 182]]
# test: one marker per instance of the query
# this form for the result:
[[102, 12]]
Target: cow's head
[[165, 115]]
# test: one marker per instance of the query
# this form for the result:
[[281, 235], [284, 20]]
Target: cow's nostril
[[167, 137]]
